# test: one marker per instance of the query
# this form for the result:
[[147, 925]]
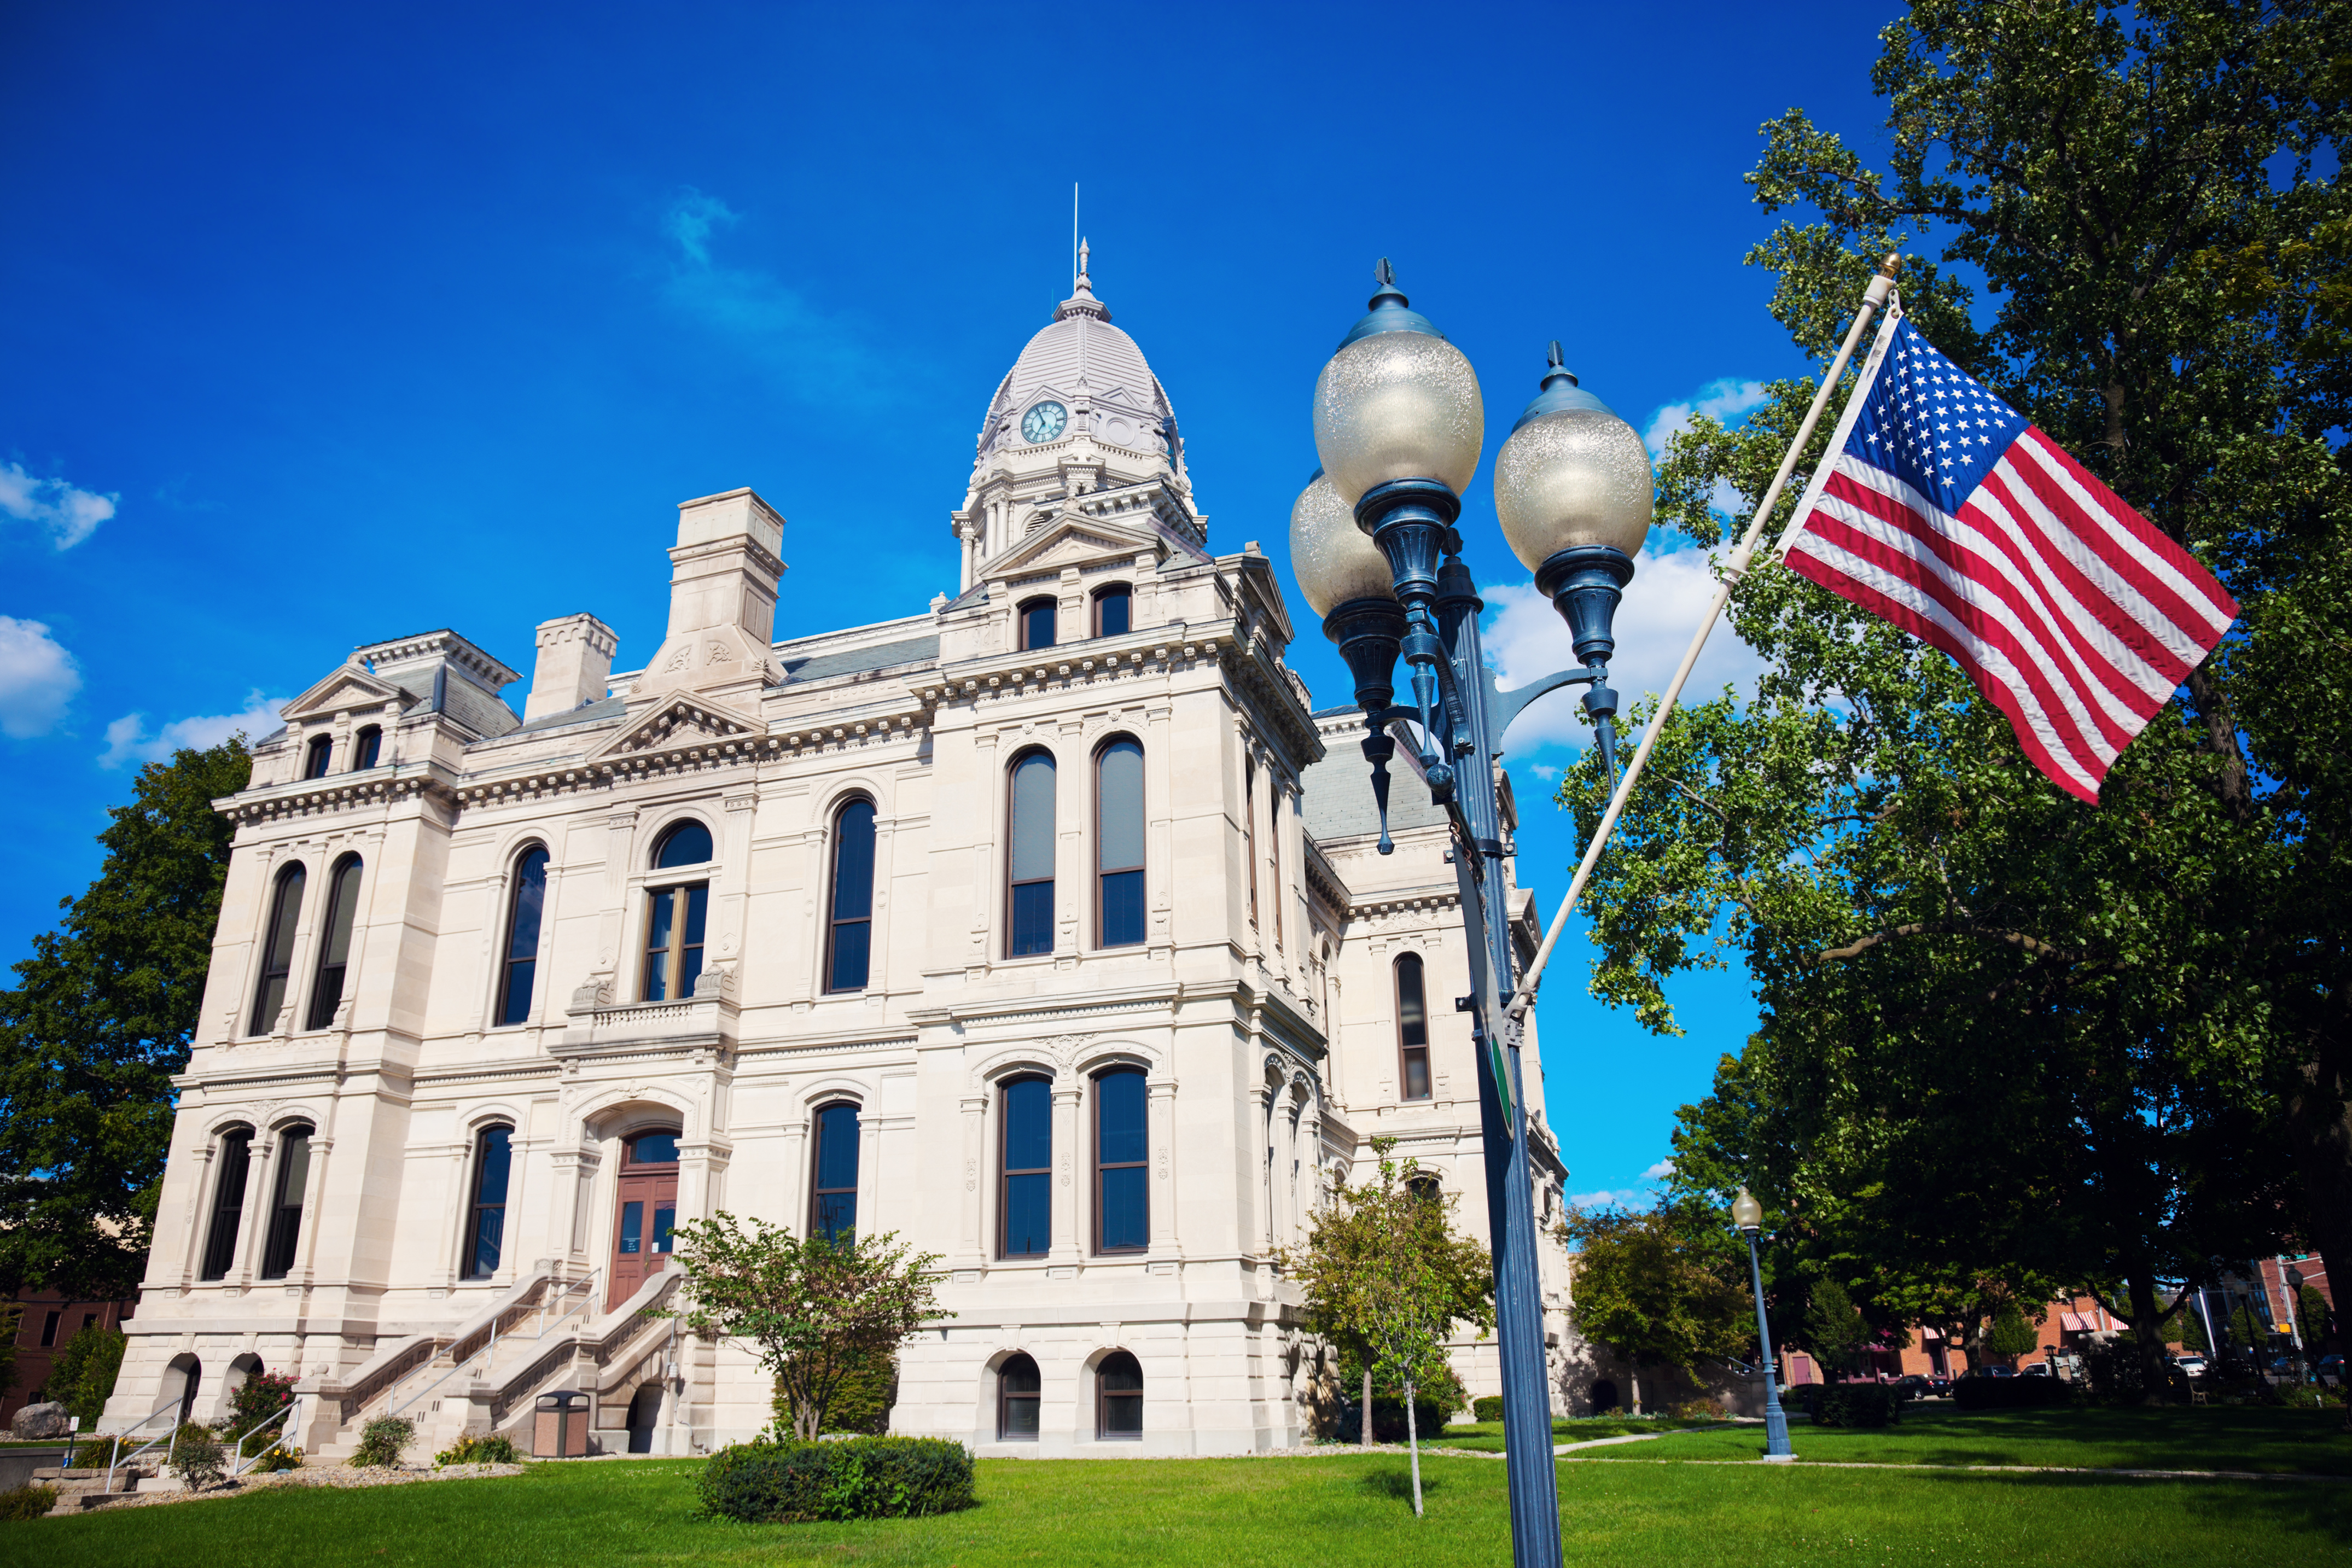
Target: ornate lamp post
[[1399, 422], [1747, 1218]]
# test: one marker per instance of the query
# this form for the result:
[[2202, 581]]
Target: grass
[[2291, 1442], [1487, 1436], [1333, 1512]]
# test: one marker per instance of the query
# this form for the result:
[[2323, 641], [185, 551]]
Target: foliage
[[818, 1312], [2013, 1334], [97, 1023], [2009, 1393], [2117, 1377], [2011, 1041], [198, 1455], [94, 1453], [861, 1402], [383, 1440], [1662, 1285], [2315, 1326], [276, 1457], [81, 1375], [1487, 1407], [1834, 1329], [261, 1396], [1855, 1405], [861, 1478], [471, 1448], [1386, 1276], [26, 1502], [1389, 1423]]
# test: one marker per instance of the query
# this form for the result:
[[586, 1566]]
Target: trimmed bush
[[1388, 1421], [495, 1450], [383, 1440], [199, 1455], [1859, 1405], [1490, 1408], [2010, 1392], [854, 1478], [27, 1502]]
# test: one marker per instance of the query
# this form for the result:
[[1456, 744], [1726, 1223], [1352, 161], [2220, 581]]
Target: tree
[[1834, 1327], [819, 1312], [97, 1023], [2009, 1036], [1662, 1285], [2013, 1334], [81, 1376], [1386, 1277]]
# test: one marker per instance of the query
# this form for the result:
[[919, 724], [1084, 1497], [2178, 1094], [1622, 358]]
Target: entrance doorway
[[646, 1212], [644, 1411]]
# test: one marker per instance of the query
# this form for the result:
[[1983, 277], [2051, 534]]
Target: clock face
[[1044, 422]]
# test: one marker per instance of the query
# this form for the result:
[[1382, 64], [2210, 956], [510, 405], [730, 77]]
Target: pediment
[[349, 687], [678, 721], [1072, 541]]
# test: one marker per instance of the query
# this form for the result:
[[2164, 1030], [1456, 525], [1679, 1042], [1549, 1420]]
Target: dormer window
[[1114, 611], [367, 747], [315, 757], [1037, 623]]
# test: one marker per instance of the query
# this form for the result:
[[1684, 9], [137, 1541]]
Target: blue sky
[[322, 325]]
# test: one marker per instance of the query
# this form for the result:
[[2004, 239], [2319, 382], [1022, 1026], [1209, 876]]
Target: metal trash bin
[[558, 1428]]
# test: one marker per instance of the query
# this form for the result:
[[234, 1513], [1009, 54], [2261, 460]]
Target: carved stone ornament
[[596, 993]]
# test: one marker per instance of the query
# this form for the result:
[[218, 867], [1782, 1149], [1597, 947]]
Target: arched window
[[1122, 1163], [335, 944], [366, 748], [486, 1222], [1426, 1188], [1016, 1400], [1118, 843], [229, 1201], [1031, 860], [686, 843], [1037, 623], [1113, 610], [833, 1210], [1249, 833], [1028, 1156], [1118, 1400], [1274, 854], [316, 755], [293, 1178], [277, 950], [848, 943], [524, 910], [1412, 1027]]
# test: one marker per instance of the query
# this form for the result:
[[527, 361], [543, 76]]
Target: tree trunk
[[1412, 1442], [2320, 1122], [2147, 1337], [1364, 1438], [1634, 1382]]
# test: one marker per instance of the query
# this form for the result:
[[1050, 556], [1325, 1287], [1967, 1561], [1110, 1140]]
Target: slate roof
[[595, 712], [858, 661], [1337, 790]]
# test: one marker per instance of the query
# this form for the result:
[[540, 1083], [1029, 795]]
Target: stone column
[[973, 1241], [1068, 1145], [1160, 1110]]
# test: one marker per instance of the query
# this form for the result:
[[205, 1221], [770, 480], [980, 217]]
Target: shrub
[[1489, 1408], [1855, 1405], [1696, 1410], [2116, 1378], [92, 1453], [2010, 1392], [257, 1399], [198, 1456], [1388, 1420], [495, 1450], [857, 1477], [383, 1440], [274, 1458], [27, 1502]]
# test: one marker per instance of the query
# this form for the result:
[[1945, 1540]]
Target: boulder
[[48, 1419]]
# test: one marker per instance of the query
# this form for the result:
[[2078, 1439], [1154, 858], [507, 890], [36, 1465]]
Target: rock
[[48, 1419]]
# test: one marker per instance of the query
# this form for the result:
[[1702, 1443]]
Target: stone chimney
[[575, 665], [722, 598]]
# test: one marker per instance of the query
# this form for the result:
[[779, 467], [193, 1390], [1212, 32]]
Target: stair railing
[[238, 1462], [117, 1458], [585, 1287]]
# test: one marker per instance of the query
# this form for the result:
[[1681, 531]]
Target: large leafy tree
[[2010, 1039], [97, 1023], [1662, 1284]]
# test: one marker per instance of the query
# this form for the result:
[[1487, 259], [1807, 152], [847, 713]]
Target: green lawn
[[1326, 1512], [2308, 1442], [1487, 1436]]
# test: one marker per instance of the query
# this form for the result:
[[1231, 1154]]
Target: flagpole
[[1881, 286]]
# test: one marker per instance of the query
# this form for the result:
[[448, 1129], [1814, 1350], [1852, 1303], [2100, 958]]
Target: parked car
[[2331, 1371], [1912, 1386], [2192, 1365], [1996, 1372], [1939, 1387], [2040, 1369]]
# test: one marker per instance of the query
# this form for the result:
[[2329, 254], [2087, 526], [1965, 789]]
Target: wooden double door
[[645, 1215]]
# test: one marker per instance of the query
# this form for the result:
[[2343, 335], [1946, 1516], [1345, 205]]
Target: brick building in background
[[49, 1320]]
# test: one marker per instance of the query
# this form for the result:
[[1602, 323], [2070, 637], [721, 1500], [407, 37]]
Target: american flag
[[1948, 514]]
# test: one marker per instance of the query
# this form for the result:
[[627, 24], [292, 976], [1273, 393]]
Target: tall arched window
[[1118, 843], [485, 1219], [833, 1211], [848, 943], [1274, 854], [675, 915], [1028, 1156], [525, 909], [1037, 623], [1016, 1400], [228, 1202], [367, 746], [292, 1180], [1122, 1163], [316, 756], [335, 942], [1249, 833], [686, 843], [1412, 1027], [1118, 1400], [1029, 863], [277, 950], [1113, 609]]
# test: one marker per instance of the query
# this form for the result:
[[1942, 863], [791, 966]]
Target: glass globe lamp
[[1747, 1214], [1397, 401], [1573, 490], [1333, 560]]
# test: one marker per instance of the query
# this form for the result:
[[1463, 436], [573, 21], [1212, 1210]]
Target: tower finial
[[1083, 252]]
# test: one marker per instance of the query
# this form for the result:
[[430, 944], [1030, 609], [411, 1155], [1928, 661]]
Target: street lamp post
[[1748, 1216], [1399, 422]]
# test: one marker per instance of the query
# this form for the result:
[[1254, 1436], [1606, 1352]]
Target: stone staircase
[[485, 1375], [81, 1490]]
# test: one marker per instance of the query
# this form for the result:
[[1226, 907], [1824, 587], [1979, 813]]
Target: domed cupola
[[1080, 414]]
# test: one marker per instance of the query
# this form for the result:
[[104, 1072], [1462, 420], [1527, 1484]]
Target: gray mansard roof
[[1338, 789]]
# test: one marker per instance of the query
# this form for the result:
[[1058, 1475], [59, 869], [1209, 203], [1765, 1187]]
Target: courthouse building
[[1042, 926]]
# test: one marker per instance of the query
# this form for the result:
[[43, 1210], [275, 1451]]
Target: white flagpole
[[1873, 297], [1854, 406]]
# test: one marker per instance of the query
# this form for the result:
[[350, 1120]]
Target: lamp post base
[[1777, 1459]]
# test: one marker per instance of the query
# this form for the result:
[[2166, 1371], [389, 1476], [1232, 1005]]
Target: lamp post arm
[[1507, 706]]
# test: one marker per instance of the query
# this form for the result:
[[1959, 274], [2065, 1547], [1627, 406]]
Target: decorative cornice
[[317, 797]]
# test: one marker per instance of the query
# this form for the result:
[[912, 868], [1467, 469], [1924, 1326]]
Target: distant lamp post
[[1747, 1217], [2293, 1280]]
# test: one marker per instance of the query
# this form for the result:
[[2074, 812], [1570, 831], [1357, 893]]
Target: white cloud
[[127, 739], [818, 354], [70, 513], [1547, 772], [1660, 1171], [37, 678], [1623, 1197], [1527, 639], [1722, 400]]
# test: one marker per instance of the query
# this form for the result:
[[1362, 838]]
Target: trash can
[[558, 1427]]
